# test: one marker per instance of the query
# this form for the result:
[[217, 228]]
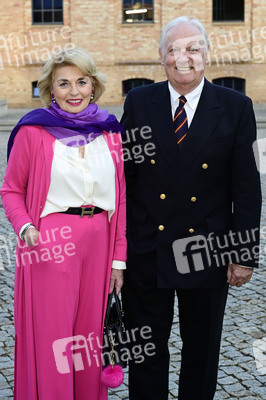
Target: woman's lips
[[74, 102]]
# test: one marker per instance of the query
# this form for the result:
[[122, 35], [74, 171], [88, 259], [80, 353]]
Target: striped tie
[[180, 120]]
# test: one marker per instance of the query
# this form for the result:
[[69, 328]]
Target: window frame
[[34, 86], [234, 79], [221, 9], [147, 80], [135, 22], [52, 10]]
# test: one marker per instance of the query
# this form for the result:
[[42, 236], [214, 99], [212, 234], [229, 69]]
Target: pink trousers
[[61, 288]]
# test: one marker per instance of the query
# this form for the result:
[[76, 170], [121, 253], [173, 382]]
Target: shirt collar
[[192, 97]]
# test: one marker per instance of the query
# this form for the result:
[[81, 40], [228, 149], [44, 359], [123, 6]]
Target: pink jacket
[[27, 181]]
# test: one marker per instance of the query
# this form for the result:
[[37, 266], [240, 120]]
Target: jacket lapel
[[208, 113], [159, 111], [206, 117]]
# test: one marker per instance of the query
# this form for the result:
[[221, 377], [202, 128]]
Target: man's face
[[184, 57]]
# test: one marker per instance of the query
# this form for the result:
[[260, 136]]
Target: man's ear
[[161, 56], [208, 57]]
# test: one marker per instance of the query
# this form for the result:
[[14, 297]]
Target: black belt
[[83, 211]]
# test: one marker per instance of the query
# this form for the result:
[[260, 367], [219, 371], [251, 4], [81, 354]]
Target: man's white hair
[[180, 21]]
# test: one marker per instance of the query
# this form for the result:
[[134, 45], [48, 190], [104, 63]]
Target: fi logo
[[71, 351], [191, 254]]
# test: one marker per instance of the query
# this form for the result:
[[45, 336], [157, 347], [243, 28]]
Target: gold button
[[193, 199], [191, 230], [161, 227], [152, 161], [162, 196], [204, 166]]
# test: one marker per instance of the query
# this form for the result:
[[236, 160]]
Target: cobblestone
[[244, 322]]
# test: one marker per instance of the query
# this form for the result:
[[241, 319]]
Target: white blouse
[[77, 181]]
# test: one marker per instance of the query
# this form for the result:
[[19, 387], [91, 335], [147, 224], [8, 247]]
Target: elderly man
[[193, 213]]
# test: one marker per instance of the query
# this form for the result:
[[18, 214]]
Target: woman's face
[[71, 89]]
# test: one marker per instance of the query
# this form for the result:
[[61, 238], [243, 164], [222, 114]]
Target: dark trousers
[[201, 314]]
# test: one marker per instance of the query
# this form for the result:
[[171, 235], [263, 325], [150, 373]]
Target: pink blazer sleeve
[[120, 250], [13, 191], [120, 243]]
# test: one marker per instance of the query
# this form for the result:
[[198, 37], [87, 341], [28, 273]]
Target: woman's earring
[[92, 94], [53, 99]]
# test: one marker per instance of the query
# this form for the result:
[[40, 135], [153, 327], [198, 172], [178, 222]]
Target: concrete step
[[8, 121], [6, 127]]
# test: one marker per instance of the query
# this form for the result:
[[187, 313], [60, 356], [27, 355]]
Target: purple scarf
[[72, 129]]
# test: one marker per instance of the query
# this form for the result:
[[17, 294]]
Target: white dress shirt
[[192, 100]]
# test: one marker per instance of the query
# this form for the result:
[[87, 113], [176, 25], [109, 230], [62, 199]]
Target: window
[[135, 11], [228, 10], [238, 84], [35, 90], [132, 83], [47, 11]]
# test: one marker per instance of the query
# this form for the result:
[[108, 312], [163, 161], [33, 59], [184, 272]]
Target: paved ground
[[244, 325]]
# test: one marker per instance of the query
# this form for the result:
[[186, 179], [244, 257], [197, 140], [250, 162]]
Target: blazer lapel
[[159, 111], [207, 115]]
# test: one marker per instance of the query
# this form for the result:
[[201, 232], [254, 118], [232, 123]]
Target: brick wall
[[125, 51]]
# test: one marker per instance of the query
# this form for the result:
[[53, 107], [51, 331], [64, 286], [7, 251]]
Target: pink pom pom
[[112, 376]]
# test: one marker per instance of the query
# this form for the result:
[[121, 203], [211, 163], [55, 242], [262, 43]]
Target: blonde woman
[[64, 194]]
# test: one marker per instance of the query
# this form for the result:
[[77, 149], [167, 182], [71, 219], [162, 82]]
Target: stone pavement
[[244, 324]]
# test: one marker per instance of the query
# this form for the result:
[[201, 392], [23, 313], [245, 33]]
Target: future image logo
[[79, 352], [198, 253]]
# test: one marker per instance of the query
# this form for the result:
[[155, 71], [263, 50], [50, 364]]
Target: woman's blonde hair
[[74, 56]]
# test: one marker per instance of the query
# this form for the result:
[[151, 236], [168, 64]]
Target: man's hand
[[117, 280], [237, 275]]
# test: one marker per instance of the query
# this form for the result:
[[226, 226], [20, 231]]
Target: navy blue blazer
[[193, 209]]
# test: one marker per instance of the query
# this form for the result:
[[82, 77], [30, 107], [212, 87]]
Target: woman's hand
[[116, 280], [31, 236]]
